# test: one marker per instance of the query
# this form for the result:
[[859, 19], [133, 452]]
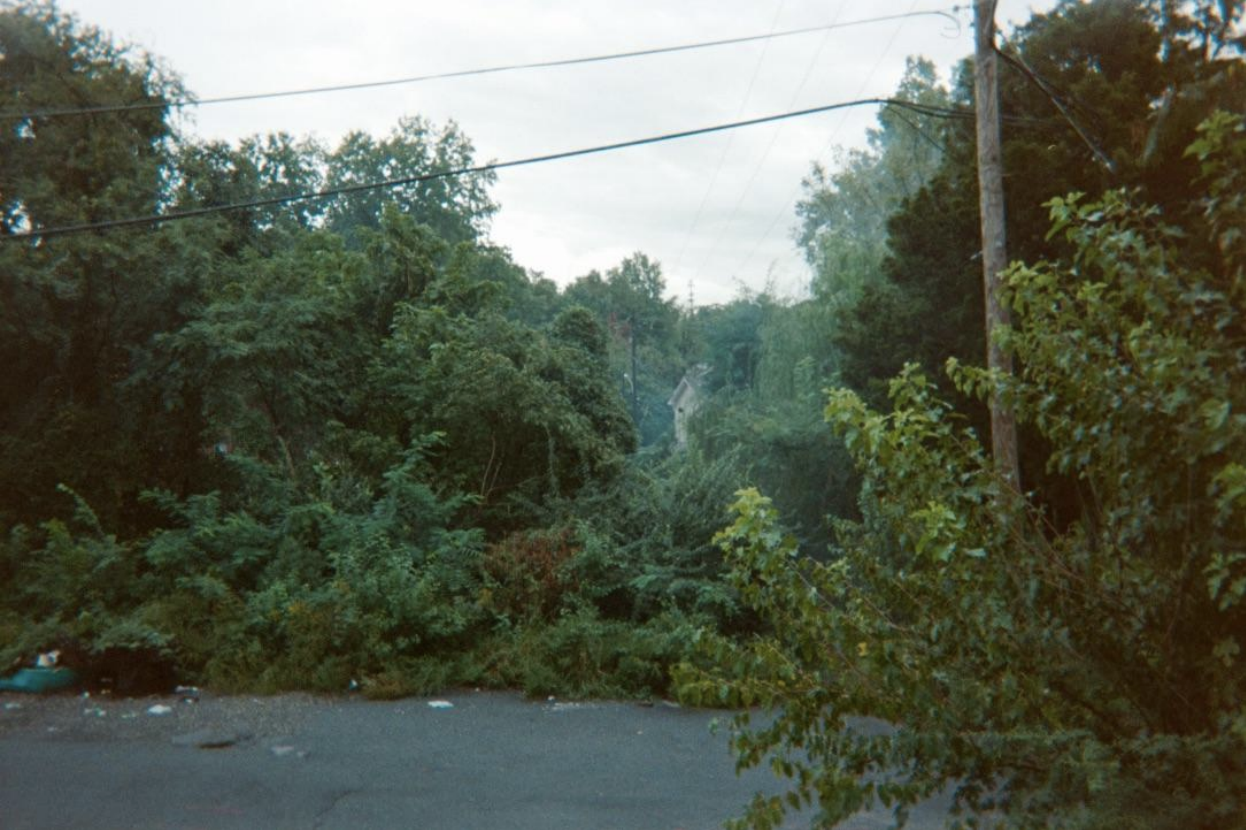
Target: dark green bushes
[[275, 588], [275, 591]]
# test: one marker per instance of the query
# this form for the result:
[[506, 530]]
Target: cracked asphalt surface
[[494, 760]]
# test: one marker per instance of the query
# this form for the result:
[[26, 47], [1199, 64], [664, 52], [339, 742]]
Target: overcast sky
[[716, 211]]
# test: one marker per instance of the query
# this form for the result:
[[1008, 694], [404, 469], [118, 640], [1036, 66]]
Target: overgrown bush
[[528, 574], [275, 587], [647, 540], [1081, 676], [581, 655], [277, 590], [71, 585]]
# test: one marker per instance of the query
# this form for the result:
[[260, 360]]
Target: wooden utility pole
[[994, 250]]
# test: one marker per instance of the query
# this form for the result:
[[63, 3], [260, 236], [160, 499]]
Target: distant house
[[686, 400]]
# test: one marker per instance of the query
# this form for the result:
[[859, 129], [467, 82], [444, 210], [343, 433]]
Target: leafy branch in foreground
[[1079, 676]]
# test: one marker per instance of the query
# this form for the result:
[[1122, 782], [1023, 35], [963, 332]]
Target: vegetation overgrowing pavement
[[351, 443]]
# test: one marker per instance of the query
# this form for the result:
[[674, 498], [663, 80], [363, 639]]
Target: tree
[[769, 359], [843, 215], [644, 328], [731, 338], [528, 417], [77, 312], [1079, 676], [277, 352], [259, 167], [456, 208], [1103, 63]]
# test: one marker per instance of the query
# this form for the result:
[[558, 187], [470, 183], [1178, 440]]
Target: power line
[[925, 136], [722, 157], [947, 13], [722, 225], [1049, 90], [154, 219], [783, 210]]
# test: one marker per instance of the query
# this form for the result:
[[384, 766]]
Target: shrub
[[76, 588], [528, 574], [580, 655], [1081, 676], [647, 540], [271, 589]]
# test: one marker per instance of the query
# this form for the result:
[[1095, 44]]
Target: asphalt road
[[492, 761]]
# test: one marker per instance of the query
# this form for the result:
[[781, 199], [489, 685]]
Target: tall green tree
[[457, 208], [843, 215], [769, 359], [259, 167], [277, 351], [527, 417], [643, 325], [1082, 90], [78, 312]]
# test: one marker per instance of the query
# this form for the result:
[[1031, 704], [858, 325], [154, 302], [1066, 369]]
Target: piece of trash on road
[[9, 707], [440, 704], [159, 709], [38, 680], [285, 750], [570, 706], [94, 711]]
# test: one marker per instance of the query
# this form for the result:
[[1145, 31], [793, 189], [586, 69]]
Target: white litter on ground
[[570, 707], [159, 709], [440, 704]]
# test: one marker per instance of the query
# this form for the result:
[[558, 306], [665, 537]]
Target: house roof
[[689, 384]]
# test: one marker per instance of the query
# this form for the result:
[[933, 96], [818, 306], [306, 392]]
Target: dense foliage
[[352, 439], [1081, 676], [1097, 95], [289, 447]]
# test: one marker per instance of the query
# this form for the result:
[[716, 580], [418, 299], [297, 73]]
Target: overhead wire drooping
[[54, 112], [154, 219], [829, 142]]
